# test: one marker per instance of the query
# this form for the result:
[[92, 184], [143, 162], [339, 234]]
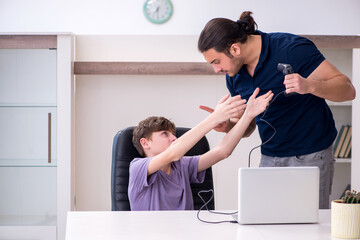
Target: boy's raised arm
[[226, 108], [255, 106]]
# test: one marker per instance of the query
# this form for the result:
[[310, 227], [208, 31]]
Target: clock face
[[158, 11]]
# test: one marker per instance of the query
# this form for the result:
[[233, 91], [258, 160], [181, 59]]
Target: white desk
[[184, 225]]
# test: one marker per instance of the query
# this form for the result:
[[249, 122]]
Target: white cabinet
[[36, 120]]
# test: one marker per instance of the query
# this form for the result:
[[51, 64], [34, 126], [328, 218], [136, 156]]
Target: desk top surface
[[184, 225]]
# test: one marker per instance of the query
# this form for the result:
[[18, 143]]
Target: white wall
[[126, 17]]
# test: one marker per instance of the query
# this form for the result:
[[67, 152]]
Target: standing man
[[305, 128]]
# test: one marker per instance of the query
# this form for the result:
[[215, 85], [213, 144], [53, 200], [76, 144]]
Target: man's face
[[160, 141], [223, 63]]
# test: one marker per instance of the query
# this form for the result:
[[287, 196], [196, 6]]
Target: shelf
[[27, 163], [343, 160], [340, 104], [27, 105], [192, 68], [143, 68], [28, 220], [335, 41], [28, 41]]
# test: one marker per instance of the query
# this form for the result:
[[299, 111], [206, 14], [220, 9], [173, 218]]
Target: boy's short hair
[[146, 127]]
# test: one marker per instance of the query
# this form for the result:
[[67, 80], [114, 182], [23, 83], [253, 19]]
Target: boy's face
[[158, 142]]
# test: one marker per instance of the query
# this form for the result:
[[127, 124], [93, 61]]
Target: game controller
[[286, 69]]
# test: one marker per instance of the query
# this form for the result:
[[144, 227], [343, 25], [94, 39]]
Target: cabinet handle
[[49, 137]]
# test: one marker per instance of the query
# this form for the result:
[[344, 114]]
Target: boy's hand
[[222, 127], [225, 125], [228, 107], [257, 105]]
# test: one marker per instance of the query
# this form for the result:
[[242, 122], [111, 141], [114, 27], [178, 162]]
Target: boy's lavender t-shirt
[[161, 191]]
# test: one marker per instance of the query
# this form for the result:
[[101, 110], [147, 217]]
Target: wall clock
[[158, 11]]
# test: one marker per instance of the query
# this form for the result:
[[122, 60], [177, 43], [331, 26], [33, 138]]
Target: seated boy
[[161, 180]]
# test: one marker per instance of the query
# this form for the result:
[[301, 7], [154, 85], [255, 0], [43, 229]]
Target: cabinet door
[[28, 166], [28, 77], [28, 196], [28, 136], [28, 232]]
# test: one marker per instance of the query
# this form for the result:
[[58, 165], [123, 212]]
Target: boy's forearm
[[184, 143], [226, 146], [231, 124], [232, 138], [251, 128]]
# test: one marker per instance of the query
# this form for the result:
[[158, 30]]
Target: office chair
[[124, 152]]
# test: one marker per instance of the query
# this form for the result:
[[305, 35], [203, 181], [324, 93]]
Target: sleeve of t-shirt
[[304, 56], [192, 164], [138, 178]]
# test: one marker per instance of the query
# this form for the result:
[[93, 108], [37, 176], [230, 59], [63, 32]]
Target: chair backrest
[[124, 152]]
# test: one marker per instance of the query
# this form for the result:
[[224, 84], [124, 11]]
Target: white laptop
[[274, 195]]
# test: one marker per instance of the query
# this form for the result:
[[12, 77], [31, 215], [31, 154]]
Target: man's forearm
[[328, 83], [337, 89]]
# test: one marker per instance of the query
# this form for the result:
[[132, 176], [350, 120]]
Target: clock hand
[[157, 11]]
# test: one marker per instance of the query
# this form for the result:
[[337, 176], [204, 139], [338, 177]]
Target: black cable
[[261, 119], [205, 205]]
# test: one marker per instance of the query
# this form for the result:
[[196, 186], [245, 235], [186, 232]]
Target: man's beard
[[237, 64]]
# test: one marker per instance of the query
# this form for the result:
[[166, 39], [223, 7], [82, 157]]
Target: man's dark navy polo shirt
[[304, 123]]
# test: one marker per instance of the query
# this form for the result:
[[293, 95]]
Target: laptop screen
[[278, 195]]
